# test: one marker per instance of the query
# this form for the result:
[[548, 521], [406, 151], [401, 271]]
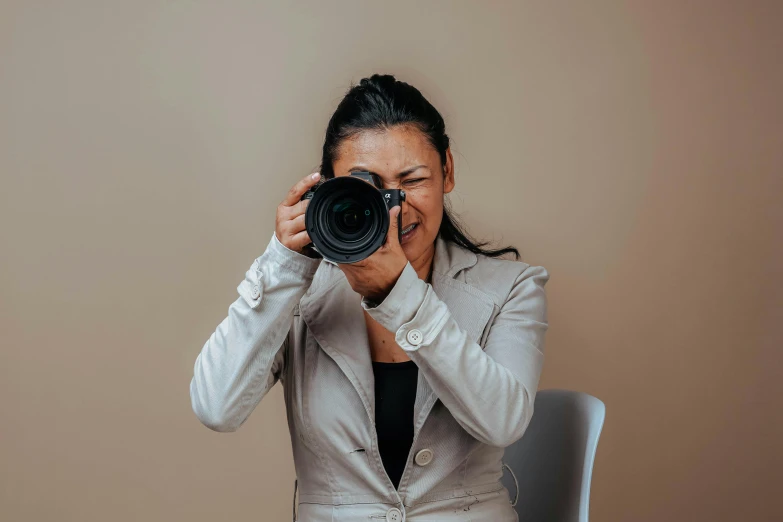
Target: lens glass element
[[348, 218]]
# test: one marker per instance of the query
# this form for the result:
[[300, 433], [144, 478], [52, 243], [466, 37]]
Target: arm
[[489, 392], [243, 358]]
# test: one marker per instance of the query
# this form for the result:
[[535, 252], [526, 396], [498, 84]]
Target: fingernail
[[316, 175]]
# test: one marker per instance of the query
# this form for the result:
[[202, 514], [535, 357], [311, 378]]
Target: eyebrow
[[399, 175]]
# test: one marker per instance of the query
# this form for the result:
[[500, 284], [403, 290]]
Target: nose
[[404, 207]]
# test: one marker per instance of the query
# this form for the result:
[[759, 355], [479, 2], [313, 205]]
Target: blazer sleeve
[[244, 357], [491, 391]]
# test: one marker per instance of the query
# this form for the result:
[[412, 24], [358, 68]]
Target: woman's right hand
[[290, 220]]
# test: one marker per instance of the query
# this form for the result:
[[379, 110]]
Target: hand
[[375, 276], [290, 219]]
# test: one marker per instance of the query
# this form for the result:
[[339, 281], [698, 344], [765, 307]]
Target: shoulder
[[502, 278]]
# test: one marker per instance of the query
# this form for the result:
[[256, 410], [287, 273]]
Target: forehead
[[386, 152]]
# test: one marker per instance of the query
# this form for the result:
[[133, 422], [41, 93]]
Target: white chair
[[551, 466]]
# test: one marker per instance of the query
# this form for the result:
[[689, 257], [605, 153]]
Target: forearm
[[242, 359], [489, 391]]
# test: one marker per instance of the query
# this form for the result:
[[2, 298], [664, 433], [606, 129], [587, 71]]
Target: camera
[[347, 218]]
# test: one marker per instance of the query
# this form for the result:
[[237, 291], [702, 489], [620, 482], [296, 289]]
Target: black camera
[[347, 218]]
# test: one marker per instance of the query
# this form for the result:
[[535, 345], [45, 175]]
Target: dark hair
[[381, 102]]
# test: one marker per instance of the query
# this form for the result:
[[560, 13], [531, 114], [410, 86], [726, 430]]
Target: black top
[[395, 394]]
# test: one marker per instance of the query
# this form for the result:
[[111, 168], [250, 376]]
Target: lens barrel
[[347, 219]]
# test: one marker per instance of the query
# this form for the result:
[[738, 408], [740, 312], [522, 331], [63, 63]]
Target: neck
[[423, 263]]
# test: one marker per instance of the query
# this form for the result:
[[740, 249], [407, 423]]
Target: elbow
[[513, 426], [503, 438], [212, 414], [217, 423]]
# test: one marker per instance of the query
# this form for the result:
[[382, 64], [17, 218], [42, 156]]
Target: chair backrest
[[553, 461]]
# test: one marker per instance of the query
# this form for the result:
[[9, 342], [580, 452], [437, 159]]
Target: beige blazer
[[476, 334]]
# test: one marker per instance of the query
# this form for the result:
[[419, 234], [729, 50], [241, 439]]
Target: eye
[[412, 181]]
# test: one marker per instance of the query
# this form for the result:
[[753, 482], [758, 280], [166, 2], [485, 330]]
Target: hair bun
[[379, 81]]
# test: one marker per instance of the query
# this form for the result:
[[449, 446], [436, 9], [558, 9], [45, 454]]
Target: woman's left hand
[[374, 277]]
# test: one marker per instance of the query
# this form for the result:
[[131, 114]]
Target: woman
[[406, 374]]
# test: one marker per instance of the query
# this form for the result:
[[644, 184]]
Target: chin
[[410, 249], [415, 247]]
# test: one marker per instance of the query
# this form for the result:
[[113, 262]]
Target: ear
[[448, 172]]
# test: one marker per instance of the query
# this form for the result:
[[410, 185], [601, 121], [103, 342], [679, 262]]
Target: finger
[[285, 214], [291, 227], [298, 190], [297, 224], [393, 238], [299, 208], [300, 240]]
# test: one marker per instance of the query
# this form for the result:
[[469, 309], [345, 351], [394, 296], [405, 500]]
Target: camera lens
[[349, 219]]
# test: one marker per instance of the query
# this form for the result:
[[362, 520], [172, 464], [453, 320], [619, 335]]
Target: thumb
[[393, 237]]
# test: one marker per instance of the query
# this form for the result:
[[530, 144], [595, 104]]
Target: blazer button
[[394, 515], [424, 457], [415, 337]]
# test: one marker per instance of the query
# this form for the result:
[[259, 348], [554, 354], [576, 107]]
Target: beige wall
[[634, 149]]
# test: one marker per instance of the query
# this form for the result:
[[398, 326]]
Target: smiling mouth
[[409, 229]]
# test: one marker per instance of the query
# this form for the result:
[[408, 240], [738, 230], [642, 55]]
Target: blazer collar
[[334, 316], [450, 258]]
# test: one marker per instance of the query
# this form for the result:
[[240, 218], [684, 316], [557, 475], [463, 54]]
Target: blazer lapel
[[334, 316]]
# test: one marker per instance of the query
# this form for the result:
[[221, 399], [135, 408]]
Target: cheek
[[427, 207]]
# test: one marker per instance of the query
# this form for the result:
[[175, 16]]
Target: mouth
[[408, 231]]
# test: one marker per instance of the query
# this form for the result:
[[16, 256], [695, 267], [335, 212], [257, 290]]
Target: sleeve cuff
[[277, 265], [402, 303], [411, 311], [299, 263], [426, 325]]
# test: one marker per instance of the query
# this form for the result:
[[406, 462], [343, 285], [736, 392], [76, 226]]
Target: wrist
[[376, 298], [400, 305]]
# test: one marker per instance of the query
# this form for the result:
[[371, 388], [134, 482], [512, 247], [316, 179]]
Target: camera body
[[347, 218]]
